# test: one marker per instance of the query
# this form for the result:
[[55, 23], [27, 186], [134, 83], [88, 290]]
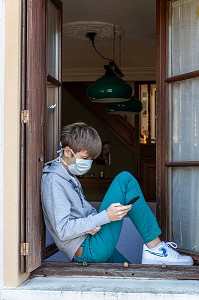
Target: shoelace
[[172, 246]]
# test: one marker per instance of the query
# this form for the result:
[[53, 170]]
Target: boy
[[76, 227]]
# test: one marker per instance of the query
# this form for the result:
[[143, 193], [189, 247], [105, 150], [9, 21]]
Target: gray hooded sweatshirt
[[67, 214]]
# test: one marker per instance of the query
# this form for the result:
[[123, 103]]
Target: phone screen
[[133, 200]]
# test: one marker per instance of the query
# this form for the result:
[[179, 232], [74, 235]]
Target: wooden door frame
[[162, 15], [52, 249]]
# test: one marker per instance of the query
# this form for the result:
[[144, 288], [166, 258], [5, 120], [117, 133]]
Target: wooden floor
[[117, 270]]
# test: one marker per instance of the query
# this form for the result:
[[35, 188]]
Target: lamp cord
[[110, 59]]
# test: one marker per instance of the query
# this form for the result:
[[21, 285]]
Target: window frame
[[51, 249], [163, 82], [56, 82]]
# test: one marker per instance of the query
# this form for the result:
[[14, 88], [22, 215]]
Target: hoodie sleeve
[[57, 199]]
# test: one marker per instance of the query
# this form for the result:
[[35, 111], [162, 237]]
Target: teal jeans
[[100, 247]]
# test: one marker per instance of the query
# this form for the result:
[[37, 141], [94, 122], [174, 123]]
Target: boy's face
[[71, 159]]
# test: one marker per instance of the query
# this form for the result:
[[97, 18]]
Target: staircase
[[115, 123]]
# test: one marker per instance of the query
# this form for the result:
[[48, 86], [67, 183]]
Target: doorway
[[162, 196], [77, 76]]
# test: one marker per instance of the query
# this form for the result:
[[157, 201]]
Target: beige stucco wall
[[12, 276]]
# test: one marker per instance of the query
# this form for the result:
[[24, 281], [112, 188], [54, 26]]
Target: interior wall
[[122, 158]]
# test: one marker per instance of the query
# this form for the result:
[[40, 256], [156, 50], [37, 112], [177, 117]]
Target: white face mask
[[80, 167]]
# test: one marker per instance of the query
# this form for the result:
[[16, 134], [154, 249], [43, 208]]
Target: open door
[[36, 77], [32, 146], [178, 126]]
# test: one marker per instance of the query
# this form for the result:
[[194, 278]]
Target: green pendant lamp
[[109, 88], [133, 106]]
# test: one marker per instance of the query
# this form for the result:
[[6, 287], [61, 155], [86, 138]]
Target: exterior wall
[[10, 135], [2, 64]]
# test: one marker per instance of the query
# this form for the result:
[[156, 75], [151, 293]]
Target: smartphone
[[133, 200]]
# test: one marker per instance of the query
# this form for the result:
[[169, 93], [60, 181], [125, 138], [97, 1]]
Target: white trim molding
[[2, 95], [130, 74], [103, 288]]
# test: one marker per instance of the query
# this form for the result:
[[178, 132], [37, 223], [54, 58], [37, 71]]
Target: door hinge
[[24, 249], [25, 116]]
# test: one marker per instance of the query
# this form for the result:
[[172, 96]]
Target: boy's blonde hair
[[79, 136]]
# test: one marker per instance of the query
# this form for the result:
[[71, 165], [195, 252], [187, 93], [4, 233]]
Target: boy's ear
[[67, 151]]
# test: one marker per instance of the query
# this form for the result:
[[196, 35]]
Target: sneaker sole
[[152, 262]]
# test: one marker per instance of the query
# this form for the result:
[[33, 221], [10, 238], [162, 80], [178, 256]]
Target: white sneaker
[[164, 253]]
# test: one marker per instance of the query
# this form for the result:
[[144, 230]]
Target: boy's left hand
[[94, 231]]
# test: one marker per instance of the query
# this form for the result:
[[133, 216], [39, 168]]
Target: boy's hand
[[116, 211], [94, 231]]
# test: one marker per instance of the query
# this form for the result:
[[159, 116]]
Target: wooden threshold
[[117, 270]]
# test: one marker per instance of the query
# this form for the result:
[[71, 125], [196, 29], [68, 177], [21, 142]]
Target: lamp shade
[[133, 106], [109, 88]]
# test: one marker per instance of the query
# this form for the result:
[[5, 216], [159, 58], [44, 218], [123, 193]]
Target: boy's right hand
[[116, 211]]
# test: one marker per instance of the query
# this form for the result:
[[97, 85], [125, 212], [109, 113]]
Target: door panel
[[177, 111], [36, 131], [33, 100]]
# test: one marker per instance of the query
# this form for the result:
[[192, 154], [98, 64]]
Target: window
[[53, 78], [54, 17], [177, 135], [183, 152]]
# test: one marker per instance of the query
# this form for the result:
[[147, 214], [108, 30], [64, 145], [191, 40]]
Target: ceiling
[[137, 53]]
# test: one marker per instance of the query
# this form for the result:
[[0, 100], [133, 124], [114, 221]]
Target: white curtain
[[184, 36], [185, 207], [184, 124], [53, 40], [185, 120]]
